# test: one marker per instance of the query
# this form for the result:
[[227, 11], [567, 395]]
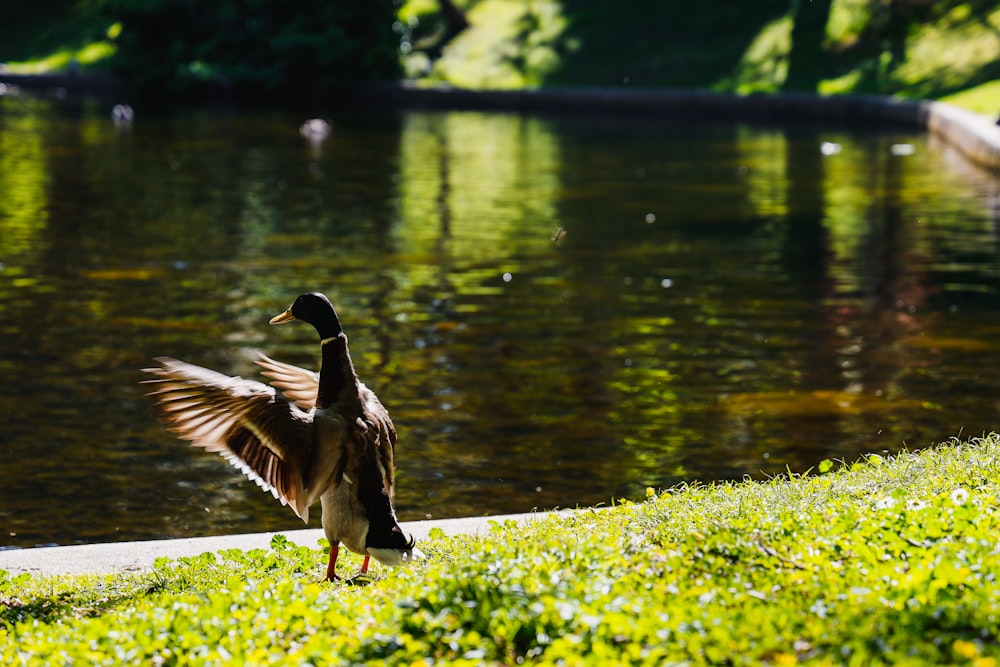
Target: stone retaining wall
[[64, 85]]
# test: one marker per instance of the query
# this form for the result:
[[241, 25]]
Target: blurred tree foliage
[[252, 49], [280, 50], [32, 30], [918, 47]]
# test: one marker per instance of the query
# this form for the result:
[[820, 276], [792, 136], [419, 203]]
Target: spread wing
[[297, 384], [259, 432]]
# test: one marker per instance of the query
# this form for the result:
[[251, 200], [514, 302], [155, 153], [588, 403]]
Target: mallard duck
[[325, 436]]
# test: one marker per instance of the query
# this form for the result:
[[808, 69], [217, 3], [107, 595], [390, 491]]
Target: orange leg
[[331, 569], [364, 566]]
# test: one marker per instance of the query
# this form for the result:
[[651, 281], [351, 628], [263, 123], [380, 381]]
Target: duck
[[302, 436]]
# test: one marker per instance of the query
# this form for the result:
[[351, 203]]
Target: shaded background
[[278, 53]]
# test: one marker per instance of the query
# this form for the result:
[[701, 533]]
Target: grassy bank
[[885, 561]]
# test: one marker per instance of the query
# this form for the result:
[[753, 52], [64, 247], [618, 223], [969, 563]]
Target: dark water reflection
[[727, 300]]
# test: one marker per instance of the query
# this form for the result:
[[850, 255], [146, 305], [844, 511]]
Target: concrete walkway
[[140, 556]]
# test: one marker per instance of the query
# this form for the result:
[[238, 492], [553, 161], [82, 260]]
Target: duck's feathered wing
[[301, 387], [297, 384], [259, 432]]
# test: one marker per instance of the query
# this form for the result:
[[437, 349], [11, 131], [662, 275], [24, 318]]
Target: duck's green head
[[316, 309]]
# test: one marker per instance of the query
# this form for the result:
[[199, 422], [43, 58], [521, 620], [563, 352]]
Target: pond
[[557, 310]]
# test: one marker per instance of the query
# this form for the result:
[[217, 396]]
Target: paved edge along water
[[118, 557]]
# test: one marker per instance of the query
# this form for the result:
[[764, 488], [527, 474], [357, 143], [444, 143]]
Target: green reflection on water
[[24, 185], [725, 301]]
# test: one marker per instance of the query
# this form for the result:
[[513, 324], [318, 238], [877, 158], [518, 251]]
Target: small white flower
[[916, 505], [819, 608], [885, 503], [960, 495]]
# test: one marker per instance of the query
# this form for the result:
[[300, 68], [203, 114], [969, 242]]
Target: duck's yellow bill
[[284, 317]]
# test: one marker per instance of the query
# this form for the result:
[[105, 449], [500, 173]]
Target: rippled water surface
[[723, 301]]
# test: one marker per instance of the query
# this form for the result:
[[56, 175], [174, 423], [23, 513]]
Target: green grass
[[888, 561], [960, 50], [89, 56], [983, 99]]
